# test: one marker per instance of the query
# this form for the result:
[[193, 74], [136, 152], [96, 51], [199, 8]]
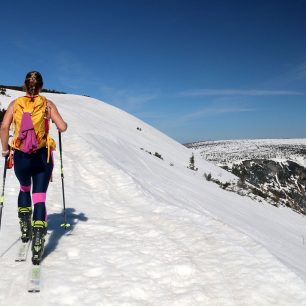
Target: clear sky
[[194, 69]]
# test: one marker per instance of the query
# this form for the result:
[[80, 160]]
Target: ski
[[34, 281], [22, 252]]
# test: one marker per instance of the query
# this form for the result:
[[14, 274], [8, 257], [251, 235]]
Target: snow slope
[[147, 233]]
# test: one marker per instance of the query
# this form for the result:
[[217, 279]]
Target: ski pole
[[65, 224], [3, 187]]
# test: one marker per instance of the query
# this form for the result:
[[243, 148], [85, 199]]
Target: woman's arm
[[5, 127], [56, 117]]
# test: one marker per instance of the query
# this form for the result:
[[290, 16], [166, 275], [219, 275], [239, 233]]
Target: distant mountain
[[275, 167]]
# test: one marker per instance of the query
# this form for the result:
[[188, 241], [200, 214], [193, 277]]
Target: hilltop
[[146, 230]]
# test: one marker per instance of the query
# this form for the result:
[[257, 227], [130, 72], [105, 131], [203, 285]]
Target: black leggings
[[33, 168]]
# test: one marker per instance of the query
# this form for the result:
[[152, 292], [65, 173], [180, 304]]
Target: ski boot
[[39, 233], [24, 215]]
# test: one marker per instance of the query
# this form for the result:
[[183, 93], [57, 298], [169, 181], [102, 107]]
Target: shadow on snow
[[54, 226]]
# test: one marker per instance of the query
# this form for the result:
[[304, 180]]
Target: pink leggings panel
[[39, 197], [25, 188]]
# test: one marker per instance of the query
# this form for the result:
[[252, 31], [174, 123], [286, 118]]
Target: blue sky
[[196, 70]]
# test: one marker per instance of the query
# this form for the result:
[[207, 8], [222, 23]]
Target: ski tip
[[65, 225]]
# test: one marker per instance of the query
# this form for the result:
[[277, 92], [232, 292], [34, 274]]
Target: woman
[[32, 146]]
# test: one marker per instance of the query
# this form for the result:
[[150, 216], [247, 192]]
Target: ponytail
[[33, 83]]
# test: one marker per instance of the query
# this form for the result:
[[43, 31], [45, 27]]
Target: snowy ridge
[[147, 233], [277, 167], [223, 152]]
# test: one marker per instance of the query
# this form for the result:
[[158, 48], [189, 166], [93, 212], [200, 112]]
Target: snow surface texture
[[145, 232], [225, 152]]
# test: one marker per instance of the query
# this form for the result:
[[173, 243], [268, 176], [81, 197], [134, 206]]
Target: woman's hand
[[5, 153]]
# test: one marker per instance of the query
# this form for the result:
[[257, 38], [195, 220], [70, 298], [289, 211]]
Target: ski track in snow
[[128, 245]]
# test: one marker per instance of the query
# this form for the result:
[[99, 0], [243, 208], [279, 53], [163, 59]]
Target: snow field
[[146, 233]]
